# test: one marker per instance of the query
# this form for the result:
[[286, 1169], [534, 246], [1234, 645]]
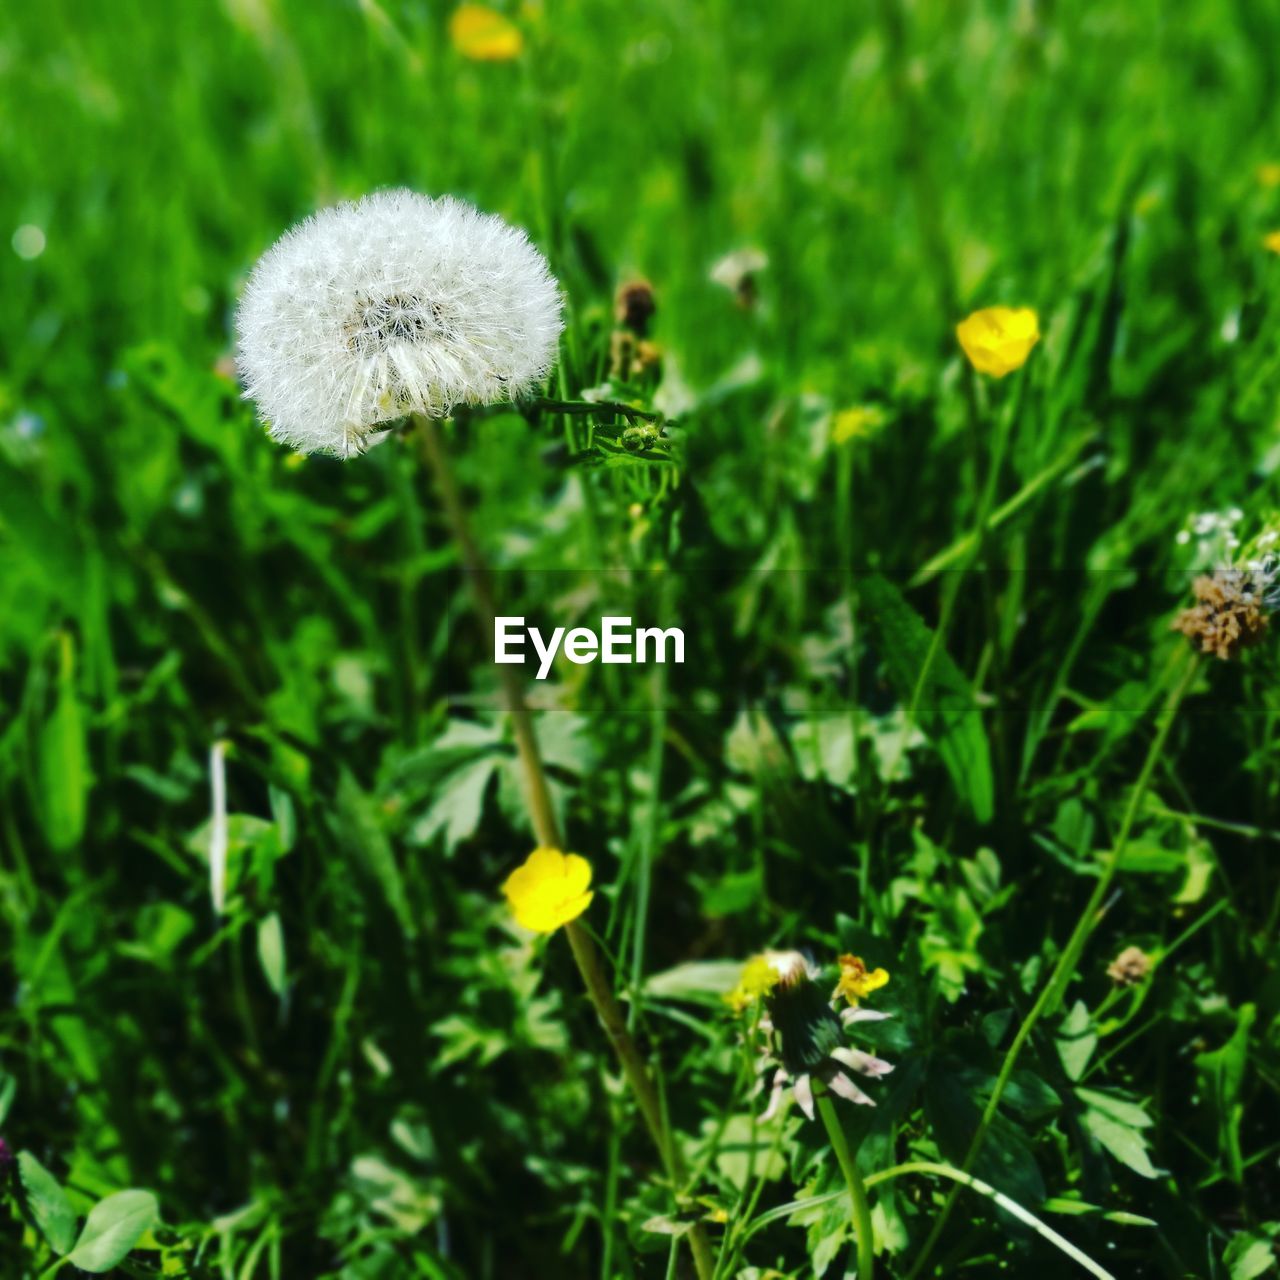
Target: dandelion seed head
[[390, 305]]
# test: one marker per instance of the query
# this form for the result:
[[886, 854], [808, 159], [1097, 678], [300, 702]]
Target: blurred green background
[[360, 1070]]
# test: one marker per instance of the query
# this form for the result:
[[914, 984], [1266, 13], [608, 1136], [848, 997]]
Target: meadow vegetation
[[934, 712]]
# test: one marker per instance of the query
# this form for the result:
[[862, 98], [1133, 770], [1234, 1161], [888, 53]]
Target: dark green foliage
[[360, 1069]]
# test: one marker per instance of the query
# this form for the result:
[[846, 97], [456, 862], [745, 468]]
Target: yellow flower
[[860, 422], [759, 977], [484, 35], [1269, 174], [549, 889], [1272, 241], [998, 340], [856, 980]]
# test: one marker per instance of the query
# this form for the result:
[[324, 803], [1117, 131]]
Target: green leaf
[[114, 1226], [1118, 1109], [947, 712], [1222, 1072], [48, 1203], [63, 757], [745, 1149], [1200, 868], [1077, 1040], [1126, 1144], [271, 953], [703, 981], [459, 805], [1248, 1255], [953, 1107], [361, 831]]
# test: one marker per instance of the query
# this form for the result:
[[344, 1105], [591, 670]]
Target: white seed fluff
[[390, 305]]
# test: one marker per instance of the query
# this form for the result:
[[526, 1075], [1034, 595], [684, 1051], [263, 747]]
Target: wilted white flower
[[738, 272], [389, 305], [802, 1036]]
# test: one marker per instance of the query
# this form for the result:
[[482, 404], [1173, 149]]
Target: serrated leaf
[[114, 1226], [48, 1203], [947, 712], [1120, 1110], [1126, 1144], [459, 805]]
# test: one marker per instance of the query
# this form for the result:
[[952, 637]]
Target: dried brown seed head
[[1130, 967], [634, 305], [1228, 616]]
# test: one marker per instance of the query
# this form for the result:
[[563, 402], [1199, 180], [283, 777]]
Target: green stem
[[1051, 993], [853, 1180], [547, 832], [1009, 1206], [594, 406]]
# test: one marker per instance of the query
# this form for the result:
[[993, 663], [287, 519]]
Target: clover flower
[[998, 340], [1130, 967], [1235, 600], [549, 889], [391, 305], [803, 1037]]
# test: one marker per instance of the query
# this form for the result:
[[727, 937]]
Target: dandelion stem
[[1051, 993], [547, 832], [537, 793], [853, 1180], [595, 406]]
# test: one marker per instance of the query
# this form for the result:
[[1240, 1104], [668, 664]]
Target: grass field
[[932, 712]]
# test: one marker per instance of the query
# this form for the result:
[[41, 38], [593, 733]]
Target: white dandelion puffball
[[390, 305]]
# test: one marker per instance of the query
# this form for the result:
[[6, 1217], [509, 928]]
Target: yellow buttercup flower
[[1272, 241], [856, 980], [484, 35], [549, 889], [998, 340], [1269, 174]]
